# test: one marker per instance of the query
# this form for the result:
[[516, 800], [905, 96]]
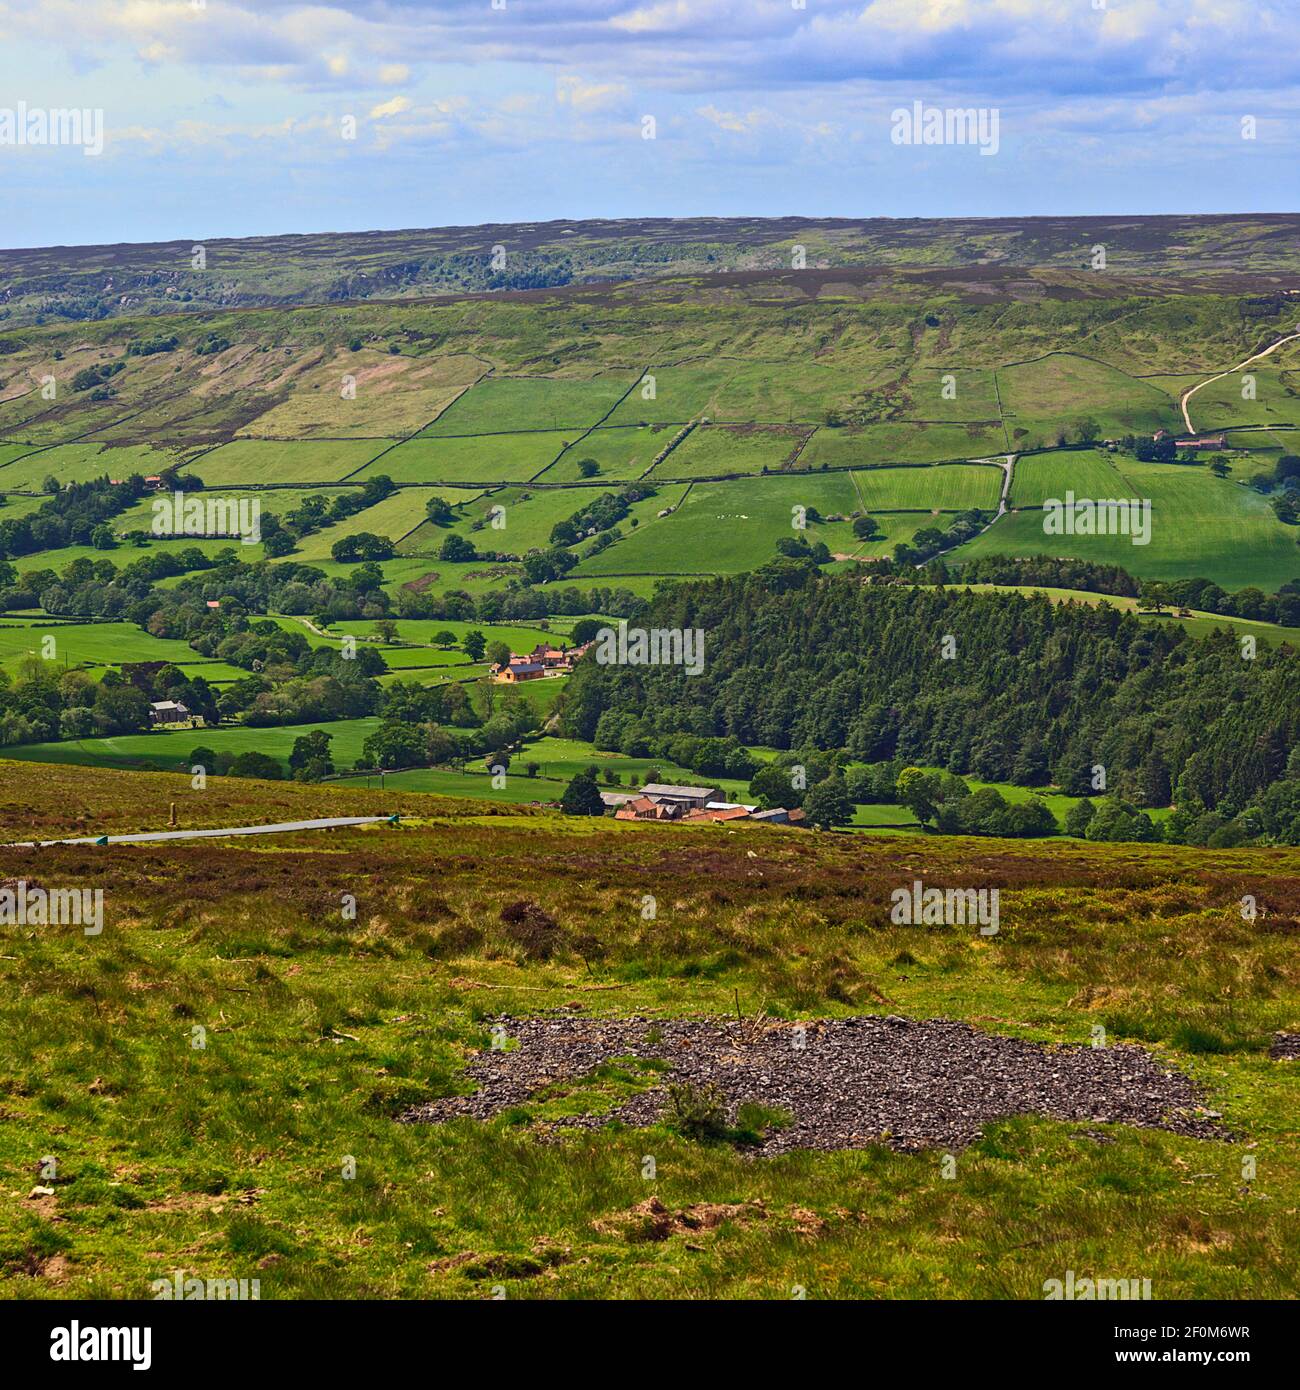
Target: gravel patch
[[1286, 1047], [912, 1084]]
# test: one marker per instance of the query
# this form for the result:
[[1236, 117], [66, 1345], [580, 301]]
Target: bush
[[697, 1112]]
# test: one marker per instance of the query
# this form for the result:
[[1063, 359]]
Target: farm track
[[1187, 395]]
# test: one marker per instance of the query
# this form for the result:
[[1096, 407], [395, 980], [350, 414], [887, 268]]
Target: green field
[[170, 749], [716, 450], [1086, 473], [100, 644], [487, 458], [499, 405], [262, 461], [620, 454], [79, 463], [901, 442], [1052, 392], [1201, 526]]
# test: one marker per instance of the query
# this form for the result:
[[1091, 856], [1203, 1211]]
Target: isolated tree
[[474, 645], [582, 797]]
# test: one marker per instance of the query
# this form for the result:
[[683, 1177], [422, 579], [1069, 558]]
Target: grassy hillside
[[208, 1072]]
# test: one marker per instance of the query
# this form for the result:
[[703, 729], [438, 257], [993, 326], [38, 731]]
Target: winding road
[[1192, 390]]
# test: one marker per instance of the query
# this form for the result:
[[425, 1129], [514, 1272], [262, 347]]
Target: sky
[[247, 117]]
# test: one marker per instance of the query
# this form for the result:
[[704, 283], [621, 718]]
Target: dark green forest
[[1031, 692]]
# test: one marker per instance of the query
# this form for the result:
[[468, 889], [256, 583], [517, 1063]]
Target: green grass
[[77, 644], [901, 442], [499, 404], [317, 1029], [621, 454], [396, 516], [169, 749], [1201, 526], [479, 459], [724, 528], [1052, 393], [1085, 472], [79, 463], [714, 450], [278, 461]]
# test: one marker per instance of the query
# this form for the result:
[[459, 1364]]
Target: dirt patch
[[847, 1083], [652, 1220]]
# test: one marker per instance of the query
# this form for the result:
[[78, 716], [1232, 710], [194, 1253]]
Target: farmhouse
[[171, 714], [644, 808], [663, 801], [519, 670], [543, 660], [1214, 441], [688, 798]]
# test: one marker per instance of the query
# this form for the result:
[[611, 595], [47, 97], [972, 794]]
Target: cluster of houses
[[661, 801], [541, 662]]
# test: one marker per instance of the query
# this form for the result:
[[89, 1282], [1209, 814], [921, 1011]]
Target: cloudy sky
[[237, 117]]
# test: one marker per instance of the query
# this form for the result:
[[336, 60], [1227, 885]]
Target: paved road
[[283, 828]]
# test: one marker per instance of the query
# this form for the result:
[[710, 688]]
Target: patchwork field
[[901, 442], [716, 450], [1201, 526], [501, 405], [481, 459], [258, 462]]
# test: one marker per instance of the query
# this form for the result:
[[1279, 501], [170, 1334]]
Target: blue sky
[[228, 117]]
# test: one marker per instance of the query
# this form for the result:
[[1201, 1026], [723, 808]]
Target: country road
[[282, 828], [1192, 390]]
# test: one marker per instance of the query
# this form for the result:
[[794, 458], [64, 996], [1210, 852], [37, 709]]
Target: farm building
[[171, 714]]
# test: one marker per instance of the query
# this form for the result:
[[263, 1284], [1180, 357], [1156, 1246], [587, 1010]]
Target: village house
[[1214, 441]]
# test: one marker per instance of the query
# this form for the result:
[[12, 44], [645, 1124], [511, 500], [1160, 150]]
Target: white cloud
[[589, 96], [393, 107]]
